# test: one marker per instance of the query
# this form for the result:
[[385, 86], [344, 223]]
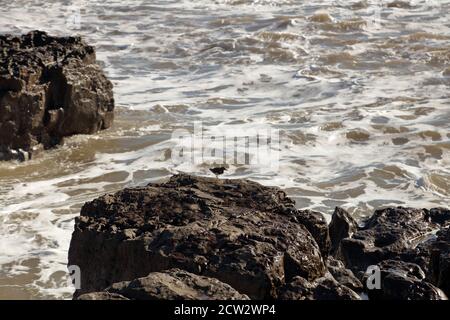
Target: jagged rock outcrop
[[316, 224], [404, 281], [401, 242], [253, 239], [174, 284], [50, 88], [391, 233], [324, 288], [439, 267], [342, 226], [237, 231], [343, 275], [102, 295]]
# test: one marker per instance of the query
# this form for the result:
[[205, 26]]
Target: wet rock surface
[[343, 275], [237, 231], [103, 295], [317, 226], [390, 233], [174, 284], [50, 88], [404, 281], [439, 268], [325, 288], [409, 246], [253, 239], [342, 226]]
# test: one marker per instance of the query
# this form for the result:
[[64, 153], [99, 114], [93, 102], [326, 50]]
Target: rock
[[50, 88], [440, 216], [402, 242], [404, 281], [252, 239], [439, 270], [237, 231], [399, 287], [391, 233], [101, 296], [317, 226], [343, 275], [174, 284], [342, 226], [325, 288], [330, 289]]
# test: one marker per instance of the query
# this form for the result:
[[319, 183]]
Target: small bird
[[218, 171]]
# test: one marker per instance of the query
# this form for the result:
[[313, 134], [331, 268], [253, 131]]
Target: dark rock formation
[[324, 288], [252, 238], [440, 216], [50, 88], [404, 281], [343, 275], [174, 284], [439, 268], [237, 231], [317, 226], [401, 242], [102, 295], [392, 233], [342, 226]]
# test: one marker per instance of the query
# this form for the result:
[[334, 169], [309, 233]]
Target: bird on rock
[[218, 171]]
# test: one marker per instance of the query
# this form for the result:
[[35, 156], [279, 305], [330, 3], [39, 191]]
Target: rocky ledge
[[173, 284], [50, 88], [241, 239]]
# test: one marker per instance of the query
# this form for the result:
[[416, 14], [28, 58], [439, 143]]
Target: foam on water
[[361, 105]]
